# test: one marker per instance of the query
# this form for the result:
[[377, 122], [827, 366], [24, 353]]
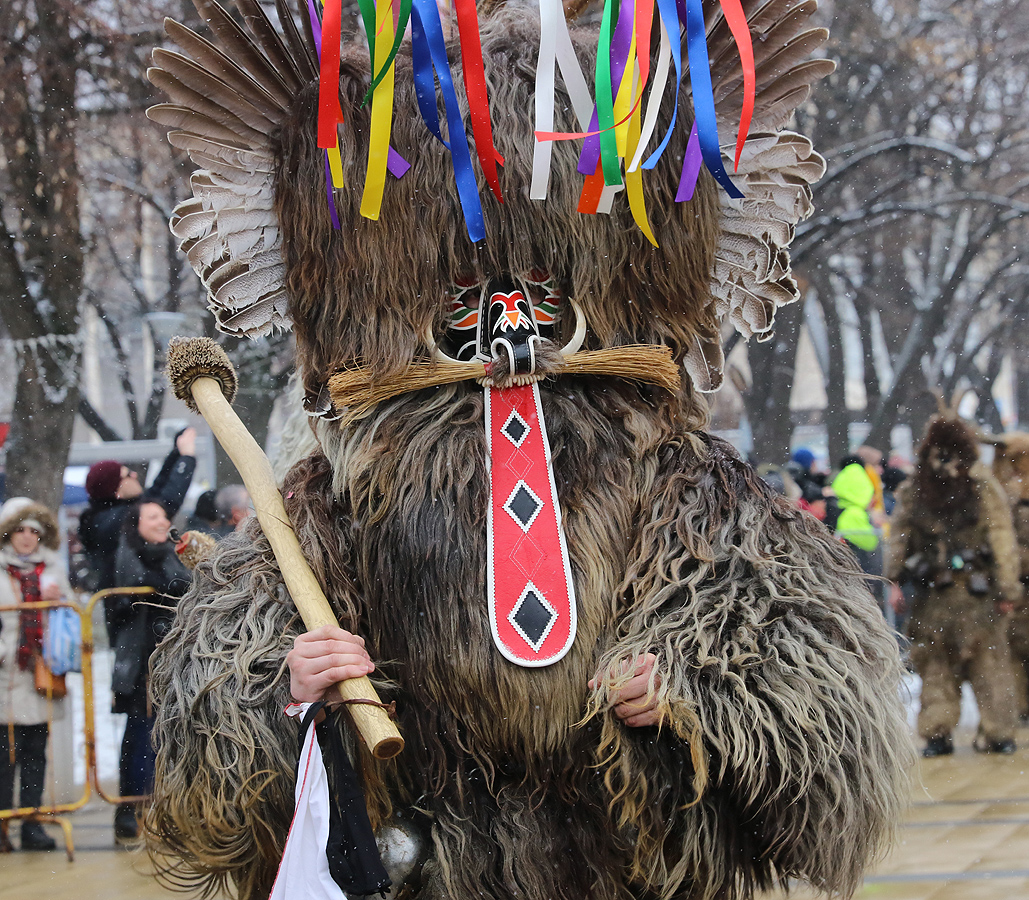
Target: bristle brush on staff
[[203, 378]]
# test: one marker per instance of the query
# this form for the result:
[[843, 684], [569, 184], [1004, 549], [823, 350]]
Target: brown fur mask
[[943, 480]]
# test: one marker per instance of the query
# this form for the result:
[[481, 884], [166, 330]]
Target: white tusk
[[574, 345], [440, 356]]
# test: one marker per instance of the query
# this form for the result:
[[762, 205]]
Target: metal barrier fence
[[54, 812]]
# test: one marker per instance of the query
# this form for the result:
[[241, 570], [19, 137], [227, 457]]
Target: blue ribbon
[[428, 52], [424, 77], [670, 19], [703, 96]]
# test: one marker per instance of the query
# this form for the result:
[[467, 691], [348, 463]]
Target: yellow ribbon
[[382, 114], [625, 97], [634, 179], [336, 165]]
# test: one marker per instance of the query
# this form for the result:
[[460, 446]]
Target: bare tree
[[41, 254], [921, 216]]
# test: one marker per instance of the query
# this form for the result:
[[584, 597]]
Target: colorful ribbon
[[403, 18], [477, 94], [691, 164], [737, 22], [328, 81], [703, 96], [429, 52], [555, 46], [615, 130], [382, 115]]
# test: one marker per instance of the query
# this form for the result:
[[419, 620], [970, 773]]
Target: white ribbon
[[304, 871], [555, 46], [664, 58]]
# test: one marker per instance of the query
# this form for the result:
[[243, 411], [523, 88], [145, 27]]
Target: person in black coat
[[144, 558], [112, 488]]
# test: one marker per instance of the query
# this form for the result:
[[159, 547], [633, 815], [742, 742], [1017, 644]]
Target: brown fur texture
[[352, 302], [1011, 468], [957, 630], [784, 750]]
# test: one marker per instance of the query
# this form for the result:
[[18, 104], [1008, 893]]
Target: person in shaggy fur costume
[[772, 743], [952, 536], [1011, 468]]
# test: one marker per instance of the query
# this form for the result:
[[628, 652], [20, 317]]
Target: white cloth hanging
[[304, 871]]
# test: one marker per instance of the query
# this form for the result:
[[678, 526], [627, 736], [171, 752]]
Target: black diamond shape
[[515, 429], [533, 618], [523, 506]]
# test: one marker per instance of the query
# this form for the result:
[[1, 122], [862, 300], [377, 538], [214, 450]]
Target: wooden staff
[[203, 378]]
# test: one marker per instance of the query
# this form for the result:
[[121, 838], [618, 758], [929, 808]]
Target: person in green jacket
[[855, 493]]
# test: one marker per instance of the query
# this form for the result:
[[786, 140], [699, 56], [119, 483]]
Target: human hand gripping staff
[[203, 378]]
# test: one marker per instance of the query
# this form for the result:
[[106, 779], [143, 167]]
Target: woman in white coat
[[32, 571]]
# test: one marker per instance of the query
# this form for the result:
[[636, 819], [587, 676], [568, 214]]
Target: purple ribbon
[[316, 27], [396, 164], [691, 163], [329, 193]]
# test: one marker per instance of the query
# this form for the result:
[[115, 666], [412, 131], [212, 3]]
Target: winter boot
[[126, 825], [941, 745], [1006, 746], [33, 837]]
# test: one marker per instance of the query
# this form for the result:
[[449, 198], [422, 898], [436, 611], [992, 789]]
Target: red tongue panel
[[531, 595]]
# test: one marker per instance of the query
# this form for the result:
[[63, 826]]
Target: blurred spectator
[[205, 518], [855, 494], [112, 487], [813, 500], [892, 478], [29, 540], [145, 558], [872, 459], [233, 503]]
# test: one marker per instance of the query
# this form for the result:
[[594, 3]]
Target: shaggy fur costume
[[784, 745], [1011, 468], [952, 536]]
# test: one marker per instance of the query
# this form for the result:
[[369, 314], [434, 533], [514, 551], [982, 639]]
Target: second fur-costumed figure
[[514, 501]]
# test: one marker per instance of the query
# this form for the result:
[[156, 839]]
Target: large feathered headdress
[[347, 194]]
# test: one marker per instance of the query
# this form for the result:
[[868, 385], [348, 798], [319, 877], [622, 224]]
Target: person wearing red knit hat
[[113, 491], [105, 478], [112, 487]]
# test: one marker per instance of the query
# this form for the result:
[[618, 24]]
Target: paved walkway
[[965, 837]]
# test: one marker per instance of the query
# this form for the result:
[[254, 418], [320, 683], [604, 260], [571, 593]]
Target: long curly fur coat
[[784, 746]]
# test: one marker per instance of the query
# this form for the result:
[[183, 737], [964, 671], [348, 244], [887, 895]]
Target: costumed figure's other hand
[[322, 658], [634, 702], [186, 442], [897, 601], [193, 546], [1005, 607]]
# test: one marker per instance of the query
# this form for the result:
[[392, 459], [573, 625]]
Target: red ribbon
[[592, 188], [329, 113], [737, 21], [475, 89]]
